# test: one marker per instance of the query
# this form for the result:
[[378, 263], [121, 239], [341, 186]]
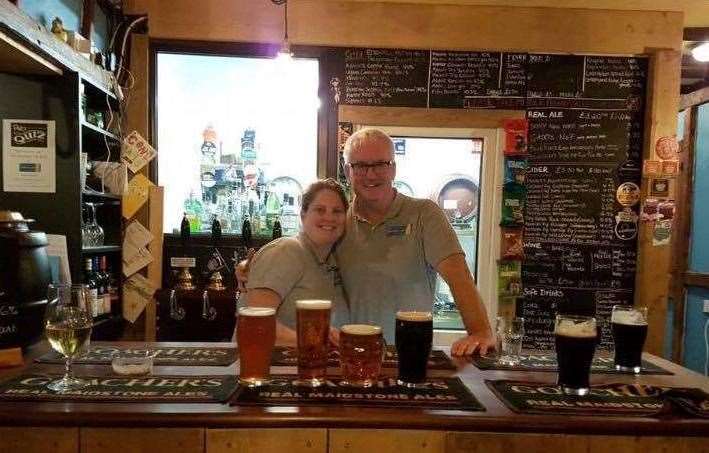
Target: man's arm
[[455, 272]]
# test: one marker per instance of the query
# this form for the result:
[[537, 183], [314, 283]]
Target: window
[[237, 140], [456, 168]]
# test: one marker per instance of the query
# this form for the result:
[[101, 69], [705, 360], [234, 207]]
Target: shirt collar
[[320, 257]]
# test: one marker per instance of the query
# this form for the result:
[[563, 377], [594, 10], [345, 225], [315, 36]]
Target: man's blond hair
[[367, 135]]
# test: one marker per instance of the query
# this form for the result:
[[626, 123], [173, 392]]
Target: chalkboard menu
[[9, 318], [385, 77], [467, 79]]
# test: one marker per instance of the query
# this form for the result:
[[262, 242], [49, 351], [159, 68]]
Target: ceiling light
[[284, 54], [701, 52]]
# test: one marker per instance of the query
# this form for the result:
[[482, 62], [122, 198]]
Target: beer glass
[[67, 324], [510, 334], [414, 336], [313, 328], [629, 327], [361, 354], [576, 338], [256, 336]]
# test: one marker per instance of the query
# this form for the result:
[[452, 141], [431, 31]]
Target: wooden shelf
[[87, 193], [100, 249], [16, 58], [98, 130]]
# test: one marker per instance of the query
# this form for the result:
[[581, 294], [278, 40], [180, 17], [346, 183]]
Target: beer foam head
[[629, 317], [256, 311], [418, 316], [361, 329], [312, 304], [570, 327]]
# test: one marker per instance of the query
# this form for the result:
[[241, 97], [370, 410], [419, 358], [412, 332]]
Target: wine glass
[[67, 323]]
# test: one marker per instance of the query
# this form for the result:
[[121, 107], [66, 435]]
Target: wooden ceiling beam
[[696, 34]]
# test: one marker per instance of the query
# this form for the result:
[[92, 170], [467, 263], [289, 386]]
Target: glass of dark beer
[[313, 327], [361, 354], [576, 338], [256, 336], [629, 327], [414, 337]]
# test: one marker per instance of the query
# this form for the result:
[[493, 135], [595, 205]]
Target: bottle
[[112, 290], [101, 288], [106, 284], [246, 232], [90, 282], [277, 231], [273, 209], [289, 218]]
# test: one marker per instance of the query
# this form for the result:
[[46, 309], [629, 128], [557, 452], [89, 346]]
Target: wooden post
[[87, 18], [654, 262]]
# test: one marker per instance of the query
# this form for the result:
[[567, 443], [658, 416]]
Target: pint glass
[[629, 327], [414, 335], [313, 327], [576, 338], [361, 353], [256, 335]]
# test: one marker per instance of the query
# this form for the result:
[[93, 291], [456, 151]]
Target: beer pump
[[215, 263], [184, 277]]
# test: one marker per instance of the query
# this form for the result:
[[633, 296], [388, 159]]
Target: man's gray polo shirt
[[290, 267], [391, 265]]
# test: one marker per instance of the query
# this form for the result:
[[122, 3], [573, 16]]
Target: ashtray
[[133, 362]]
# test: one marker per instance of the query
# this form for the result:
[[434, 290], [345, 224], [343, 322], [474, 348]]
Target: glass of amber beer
[[313, 328], [256, 335], [576, 338], [629, 327], [414, 337], [361, 353]]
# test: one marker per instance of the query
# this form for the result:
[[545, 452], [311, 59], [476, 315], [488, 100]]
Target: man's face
[[372, 184]]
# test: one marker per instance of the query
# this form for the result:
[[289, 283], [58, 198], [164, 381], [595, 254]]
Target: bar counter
[[107, 427]]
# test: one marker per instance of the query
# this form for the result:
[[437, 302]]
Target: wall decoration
[[652, 168], [667, 148], [515, 136], [659, 187], [670, 168], [628, 194]]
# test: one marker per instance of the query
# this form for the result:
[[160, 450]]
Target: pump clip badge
[[626, 225], [628, 194]]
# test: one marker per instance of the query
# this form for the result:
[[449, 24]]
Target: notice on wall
[[138, 292], [137, 195], [29, 156], [136, 151]]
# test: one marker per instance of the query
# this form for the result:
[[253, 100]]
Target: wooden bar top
[[497, 417]]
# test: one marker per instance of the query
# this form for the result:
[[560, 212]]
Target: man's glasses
[[379, 167]]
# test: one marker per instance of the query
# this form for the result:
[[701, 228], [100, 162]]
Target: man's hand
[[334, 337], [472, 343], [241, 271]]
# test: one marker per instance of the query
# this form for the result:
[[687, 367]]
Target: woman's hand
[[334, 337], [472, 343]]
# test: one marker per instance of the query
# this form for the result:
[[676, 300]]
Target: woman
[[303, 267]]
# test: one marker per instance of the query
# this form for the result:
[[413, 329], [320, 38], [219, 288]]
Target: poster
[[29, 156]]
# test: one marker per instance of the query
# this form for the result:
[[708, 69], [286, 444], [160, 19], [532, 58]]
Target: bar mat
[[443, 393], [608, 399], [287, 356], [547, 362], [182, 356], [166, 389]]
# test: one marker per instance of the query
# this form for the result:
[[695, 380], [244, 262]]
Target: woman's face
[[324, 221]]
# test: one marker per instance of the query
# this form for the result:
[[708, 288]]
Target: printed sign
[[445, 394], [179, 389], [29, 156], [659, 187], [547, 362], [287, 356], [183, 356], [628, 194], [652, 168], [137, 195], [136, 151], [667, 148]]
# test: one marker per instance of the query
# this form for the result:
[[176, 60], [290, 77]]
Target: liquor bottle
[[277, 231], [289, 217], [101, 288], [90, 282], [106, 284], [112, 290], [246, 232]]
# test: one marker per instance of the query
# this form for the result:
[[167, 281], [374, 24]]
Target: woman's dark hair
[[323, 184]]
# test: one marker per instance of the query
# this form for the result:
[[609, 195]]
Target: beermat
[[547, 362], [180, 356], [287, 356], [439, 393], [609, 399], [166, 389]]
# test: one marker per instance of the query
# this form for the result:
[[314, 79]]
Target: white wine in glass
[[68, 323]]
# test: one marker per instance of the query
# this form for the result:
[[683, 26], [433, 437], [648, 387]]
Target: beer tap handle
[[184, 232], [216, 231], [176, 312], [208, 312]]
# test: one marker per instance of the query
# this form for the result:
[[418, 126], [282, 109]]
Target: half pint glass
[[313, 328], [256, 335], [576, 339], [361, 353], [414, 336], [629, 327]]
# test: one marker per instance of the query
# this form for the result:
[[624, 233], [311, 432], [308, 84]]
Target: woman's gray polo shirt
[[290, 267], [391, 265]]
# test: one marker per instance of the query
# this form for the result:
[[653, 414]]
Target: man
[[394, 245]]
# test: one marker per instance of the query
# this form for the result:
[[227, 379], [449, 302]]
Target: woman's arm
[[264, 297]]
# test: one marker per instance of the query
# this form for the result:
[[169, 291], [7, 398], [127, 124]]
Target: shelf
[[94, 194], [100, 249], [98, 130], [16, 58]]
